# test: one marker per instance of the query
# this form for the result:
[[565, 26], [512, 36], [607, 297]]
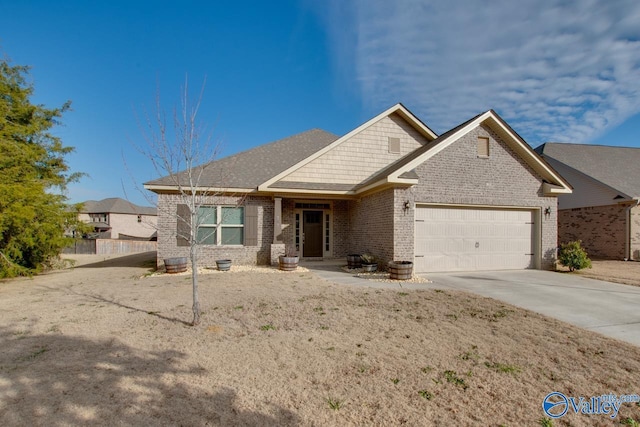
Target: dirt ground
[[105, 343], [626, 272]]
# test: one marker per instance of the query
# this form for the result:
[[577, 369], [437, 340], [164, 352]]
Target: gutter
[[627, 249]]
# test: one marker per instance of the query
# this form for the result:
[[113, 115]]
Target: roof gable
[[397, 113], [615, 167], [398, 173]]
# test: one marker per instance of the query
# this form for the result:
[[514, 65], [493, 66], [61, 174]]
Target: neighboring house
[[603, 210], [116, 218], [475, 198]]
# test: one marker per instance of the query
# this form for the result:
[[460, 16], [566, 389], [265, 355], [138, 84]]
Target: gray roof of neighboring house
[[116, 205], [617, 167], [253, 167]]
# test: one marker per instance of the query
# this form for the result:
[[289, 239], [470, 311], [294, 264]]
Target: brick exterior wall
[[379, 224], [341, 226], [372, 225], [240, 255], [457, 176], [601, 229], [635, 233]]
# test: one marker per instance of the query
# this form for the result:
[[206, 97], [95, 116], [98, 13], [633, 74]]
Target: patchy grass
[[265, 355]]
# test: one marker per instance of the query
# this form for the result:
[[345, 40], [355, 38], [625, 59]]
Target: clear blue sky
[[554, 71]]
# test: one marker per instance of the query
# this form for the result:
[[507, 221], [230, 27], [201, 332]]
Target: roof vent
[[394, 145]]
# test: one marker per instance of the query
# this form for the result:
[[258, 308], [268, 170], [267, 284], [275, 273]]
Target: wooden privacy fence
[[110, 246]]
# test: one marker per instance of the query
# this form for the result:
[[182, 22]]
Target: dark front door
[[312, 229]]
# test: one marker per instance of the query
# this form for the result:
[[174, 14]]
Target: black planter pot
[[223, 264]]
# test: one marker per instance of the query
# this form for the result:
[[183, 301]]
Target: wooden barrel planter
[[354, 261], [288, 263], [175, 265], [223, 264], [400, 270]]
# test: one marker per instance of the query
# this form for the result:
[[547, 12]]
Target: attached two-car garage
[[463, 238]]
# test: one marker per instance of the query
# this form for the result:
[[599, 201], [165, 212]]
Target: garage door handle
[[419, 256]]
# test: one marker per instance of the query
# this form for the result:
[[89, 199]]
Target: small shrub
[[572, 255]]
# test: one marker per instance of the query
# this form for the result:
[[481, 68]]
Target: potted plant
[[223, 264], [400, 270], [368, 263], [289, 261]]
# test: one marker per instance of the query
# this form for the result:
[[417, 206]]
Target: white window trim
[[219, 226], [298, 227]]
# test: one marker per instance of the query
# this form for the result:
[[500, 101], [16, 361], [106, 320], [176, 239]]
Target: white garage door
[[468, 239]]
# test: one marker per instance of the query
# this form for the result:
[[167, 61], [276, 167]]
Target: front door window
[[312, 230]]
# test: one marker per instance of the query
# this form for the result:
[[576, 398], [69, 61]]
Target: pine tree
[[33, 176]]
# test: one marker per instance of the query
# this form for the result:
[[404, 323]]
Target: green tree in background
[[33, 176]]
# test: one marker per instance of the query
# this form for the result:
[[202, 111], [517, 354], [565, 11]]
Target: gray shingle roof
[[116, 205], [251, 168], [617, 167]]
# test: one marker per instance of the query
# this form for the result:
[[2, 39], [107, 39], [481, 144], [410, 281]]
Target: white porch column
[[277, 220]]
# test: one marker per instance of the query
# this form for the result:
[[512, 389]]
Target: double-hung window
[[220, 225]]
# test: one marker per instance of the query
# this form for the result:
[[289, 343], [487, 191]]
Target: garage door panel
[[466, 239]]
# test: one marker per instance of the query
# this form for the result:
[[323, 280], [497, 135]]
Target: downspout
[[627, 249]]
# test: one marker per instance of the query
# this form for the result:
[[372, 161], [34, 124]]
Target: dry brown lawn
[[626, 272], [101, 345]]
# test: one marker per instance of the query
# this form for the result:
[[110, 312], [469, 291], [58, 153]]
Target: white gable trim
[[398, 108], [521, 148], [212, 190]]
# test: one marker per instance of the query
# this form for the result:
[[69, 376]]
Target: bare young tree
[[182, 153]]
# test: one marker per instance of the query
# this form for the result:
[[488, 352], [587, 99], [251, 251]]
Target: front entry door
[[312, 229]]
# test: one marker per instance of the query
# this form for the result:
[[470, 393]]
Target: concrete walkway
[[608, 308]]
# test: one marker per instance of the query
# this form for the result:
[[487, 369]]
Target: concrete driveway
[[607, 308]]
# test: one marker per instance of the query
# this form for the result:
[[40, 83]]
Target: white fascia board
[[551, 190], [175, 188], [407, 115], [524, 149], [387, 181], [531, 154], [450, 139], [302, 191]]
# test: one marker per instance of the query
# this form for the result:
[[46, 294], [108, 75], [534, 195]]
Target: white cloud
[[555, 70]]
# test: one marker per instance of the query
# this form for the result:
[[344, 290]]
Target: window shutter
[[183, 220], [251, 225]]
